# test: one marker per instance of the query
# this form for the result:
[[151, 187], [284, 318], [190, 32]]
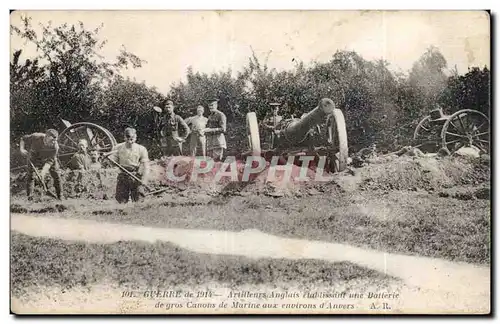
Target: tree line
[[69, 79]]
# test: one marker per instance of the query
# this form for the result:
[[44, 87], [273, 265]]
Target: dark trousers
[[126, 188], [32, 176], [172, 150]]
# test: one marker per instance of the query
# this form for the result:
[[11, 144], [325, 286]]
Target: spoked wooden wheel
[[427, 134], [466, 128], [97, 137], [253, 133], [337, 140]]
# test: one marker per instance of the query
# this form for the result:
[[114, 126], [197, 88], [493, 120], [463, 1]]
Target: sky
[[209, 41]]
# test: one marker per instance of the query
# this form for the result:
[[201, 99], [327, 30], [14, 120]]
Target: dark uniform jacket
[[217, 122], [171, 124]]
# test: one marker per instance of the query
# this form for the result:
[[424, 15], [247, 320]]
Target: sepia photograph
[[214, 162]]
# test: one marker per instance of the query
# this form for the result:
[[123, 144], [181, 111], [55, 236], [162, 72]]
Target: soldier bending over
[[41, 152]]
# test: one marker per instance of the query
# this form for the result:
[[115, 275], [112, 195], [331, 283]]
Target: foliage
[[427, 76], [69, 79], [65, 78], [469, 91]]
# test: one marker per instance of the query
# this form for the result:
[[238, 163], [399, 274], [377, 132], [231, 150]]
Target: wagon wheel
[[427, 134], [337, 140], [466, 128], [97, 137], [253, 133]]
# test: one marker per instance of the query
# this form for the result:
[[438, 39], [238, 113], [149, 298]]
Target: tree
[[125, 103], [469, 91], [428, 78], [23, 79], [70, 73]]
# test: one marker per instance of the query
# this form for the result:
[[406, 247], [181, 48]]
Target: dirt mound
[[231, 178], [221, 179], [93, 184], [427, 173], [234, 178]]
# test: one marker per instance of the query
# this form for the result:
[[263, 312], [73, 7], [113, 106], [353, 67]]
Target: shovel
[[45, 190], [130, 174]]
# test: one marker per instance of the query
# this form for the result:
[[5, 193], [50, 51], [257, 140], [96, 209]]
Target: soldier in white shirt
[[134, 158], [197, 139]]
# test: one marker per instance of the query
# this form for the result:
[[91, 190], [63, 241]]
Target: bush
[[379, 105]]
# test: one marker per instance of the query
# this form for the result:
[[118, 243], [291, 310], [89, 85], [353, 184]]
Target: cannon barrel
[[296, 131]]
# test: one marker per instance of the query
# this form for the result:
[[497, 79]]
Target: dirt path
[[430, 283]]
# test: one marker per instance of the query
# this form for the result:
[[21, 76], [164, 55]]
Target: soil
[[429, 173]]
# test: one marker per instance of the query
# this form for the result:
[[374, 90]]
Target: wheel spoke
[[462, 123], [71, 139], [451, 142], [89, 134], [483, 141], [470, 122], [480, 146], [99, 140], [94, 135], [68, 146], [456, 135], [66, 154], [454, 126], [481, 134], [102, 143], [479, 127]]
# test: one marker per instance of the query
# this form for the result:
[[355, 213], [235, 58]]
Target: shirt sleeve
[[114, 156], [184, 125], [29, 139], [189, 120], [144, 155], [222, 122]]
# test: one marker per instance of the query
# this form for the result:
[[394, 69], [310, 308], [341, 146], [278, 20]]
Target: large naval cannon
[[320, 132]]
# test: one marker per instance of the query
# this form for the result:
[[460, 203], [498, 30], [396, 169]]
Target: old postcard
[[250, 162]]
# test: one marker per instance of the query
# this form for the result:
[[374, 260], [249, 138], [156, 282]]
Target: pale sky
[[170, 41]]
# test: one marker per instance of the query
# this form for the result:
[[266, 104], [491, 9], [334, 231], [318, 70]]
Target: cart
[[464, 128]]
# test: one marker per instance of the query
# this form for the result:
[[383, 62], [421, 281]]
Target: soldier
[[216, 127], [275, 118], [198, 124], [170, 140], [80, 160], [95, 164], [133, 157], [271, 121], [41, 152]]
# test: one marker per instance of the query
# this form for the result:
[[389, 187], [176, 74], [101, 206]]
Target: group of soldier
[[205, 134]]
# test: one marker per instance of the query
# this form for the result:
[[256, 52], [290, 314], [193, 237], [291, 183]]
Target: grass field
[[405, 222], [50, 262]]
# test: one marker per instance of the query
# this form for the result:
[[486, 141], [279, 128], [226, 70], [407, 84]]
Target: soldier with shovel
[[132, 159], [41, 152]]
